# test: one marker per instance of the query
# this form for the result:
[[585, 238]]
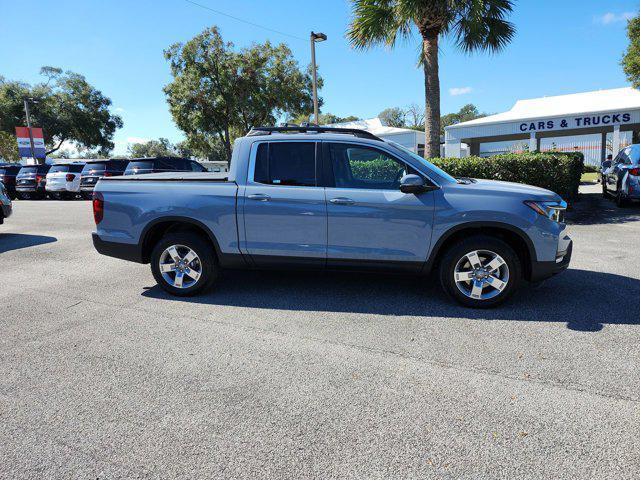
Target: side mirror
[[414, 184]]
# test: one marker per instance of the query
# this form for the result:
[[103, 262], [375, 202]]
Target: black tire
[[621, 199], [209, 269], [511, 275]]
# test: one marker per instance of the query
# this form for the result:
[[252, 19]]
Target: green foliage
[[591, 169], [8, 147], [323, 118], [218, 91], [374, 169], [631, 59], [153, 148], [66, 106], [555, 171], [393, 117], [466, 113]]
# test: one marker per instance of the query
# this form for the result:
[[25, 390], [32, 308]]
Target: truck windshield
[[424, 162]]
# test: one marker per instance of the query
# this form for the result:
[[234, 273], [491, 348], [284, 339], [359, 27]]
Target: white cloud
[[610, 17], [137, 140], [455, 91], [120, 110]]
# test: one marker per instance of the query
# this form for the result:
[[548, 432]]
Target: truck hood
[[509, 189]]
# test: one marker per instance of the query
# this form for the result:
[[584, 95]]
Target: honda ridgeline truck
[[332, 199]]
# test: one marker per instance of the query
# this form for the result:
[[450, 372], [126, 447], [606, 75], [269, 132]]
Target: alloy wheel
[[481, 274], [180, 266]]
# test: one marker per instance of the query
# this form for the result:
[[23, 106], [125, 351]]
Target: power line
[[244, 21]]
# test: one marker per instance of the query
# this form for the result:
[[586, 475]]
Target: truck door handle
[[261, 197], [342, 201]]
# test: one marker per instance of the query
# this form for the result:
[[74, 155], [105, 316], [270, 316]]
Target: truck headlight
[[552, 210]]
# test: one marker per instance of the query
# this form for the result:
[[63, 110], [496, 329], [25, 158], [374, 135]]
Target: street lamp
[[28, 115], [315, 37]]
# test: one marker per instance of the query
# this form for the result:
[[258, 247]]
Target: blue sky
[[560, 47]]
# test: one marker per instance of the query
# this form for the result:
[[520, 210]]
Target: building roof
[[626, 98], [373, 125]]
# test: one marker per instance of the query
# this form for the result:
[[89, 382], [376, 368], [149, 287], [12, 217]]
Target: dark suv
[[138, 166], [8, 174], [31, 181], [95, 170]]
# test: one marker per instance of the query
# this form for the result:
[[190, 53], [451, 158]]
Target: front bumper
[[543, 270], [124, 251]]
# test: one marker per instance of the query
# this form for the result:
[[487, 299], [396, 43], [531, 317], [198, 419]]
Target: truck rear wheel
[[480, 272], [184, 264]]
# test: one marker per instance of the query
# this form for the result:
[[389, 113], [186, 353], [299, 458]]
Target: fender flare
[[436, 250], [177, 219]]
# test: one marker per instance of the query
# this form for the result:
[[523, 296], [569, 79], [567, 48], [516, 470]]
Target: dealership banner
[[24, 144]]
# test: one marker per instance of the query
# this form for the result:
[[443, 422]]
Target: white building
[[596, 123], [408, 138]]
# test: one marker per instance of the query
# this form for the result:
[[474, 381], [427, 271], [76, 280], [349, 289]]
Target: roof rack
[[258, 131]]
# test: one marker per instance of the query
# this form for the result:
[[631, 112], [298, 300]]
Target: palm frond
[[481, 25], [377, 22]]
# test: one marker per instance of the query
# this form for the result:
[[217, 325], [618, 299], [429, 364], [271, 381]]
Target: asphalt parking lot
[[304, 375]]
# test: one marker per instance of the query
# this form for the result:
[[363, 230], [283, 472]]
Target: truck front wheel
[[480, 272], [183, 264]]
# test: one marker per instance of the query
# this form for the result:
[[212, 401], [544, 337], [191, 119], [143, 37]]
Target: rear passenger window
[[286, 163]]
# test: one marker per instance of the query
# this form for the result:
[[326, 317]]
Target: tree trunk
[[227, 144], [431, 94]]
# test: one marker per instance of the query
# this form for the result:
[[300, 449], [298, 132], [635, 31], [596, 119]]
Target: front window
[[356, 166], [430, 166], [286, 163]]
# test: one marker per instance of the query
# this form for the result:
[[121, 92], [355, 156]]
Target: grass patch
[[589, 177]]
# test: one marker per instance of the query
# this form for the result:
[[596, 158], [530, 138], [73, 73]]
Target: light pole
[[28, 115], [315, 37]]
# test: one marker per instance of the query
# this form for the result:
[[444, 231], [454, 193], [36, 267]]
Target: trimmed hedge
[[556, 171]]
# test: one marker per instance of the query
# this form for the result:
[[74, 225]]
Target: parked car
[[5, 203], [95, 170], [31, 181], [620, 177], [63, 180], [8, 172], [138, 166], [330, 199]]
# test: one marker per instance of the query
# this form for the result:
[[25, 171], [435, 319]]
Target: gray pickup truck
[[325, 198]]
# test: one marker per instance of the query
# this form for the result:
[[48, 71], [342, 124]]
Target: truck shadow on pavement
[[572, 297], [16, 241]]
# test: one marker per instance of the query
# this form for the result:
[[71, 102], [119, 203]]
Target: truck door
[[370, 221], [284, 209]]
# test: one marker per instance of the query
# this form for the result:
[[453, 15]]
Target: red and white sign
[[24, 143]]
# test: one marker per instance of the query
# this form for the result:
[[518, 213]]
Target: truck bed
[[171, 177]]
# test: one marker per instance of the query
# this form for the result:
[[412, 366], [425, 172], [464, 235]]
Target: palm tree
[[475, 25]]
